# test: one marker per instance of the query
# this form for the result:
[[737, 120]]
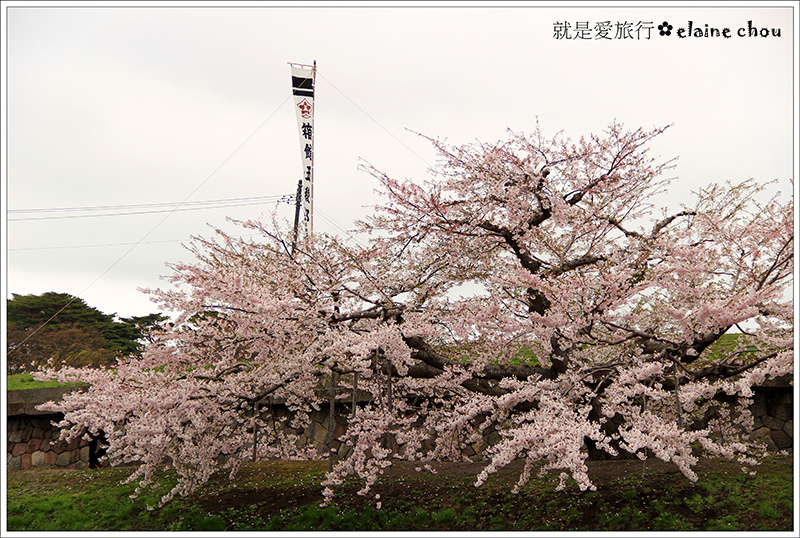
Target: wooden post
[[389, 435], [332, 421], [355, 390], [678, 406], [255, 433]]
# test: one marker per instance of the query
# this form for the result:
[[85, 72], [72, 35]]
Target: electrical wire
[[322, 215], [373, 119], [131, 206], [330, 220], [168, 208], [62, 247]]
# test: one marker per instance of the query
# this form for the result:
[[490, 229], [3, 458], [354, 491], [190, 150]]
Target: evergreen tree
[[63, 328]]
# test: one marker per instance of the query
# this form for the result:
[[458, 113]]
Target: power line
[[101, 245], [324, 216], [62, 247], [132, 206], [327, 218], [168, 208], [374, 120]]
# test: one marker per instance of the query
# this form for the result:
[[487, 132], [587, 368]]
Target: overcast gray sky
[[112, 105]]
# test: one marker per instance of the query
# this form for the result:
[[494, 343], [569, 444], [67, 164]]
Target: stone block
[[317, 433], [341, 429], [781, 412], [84, 454], [766, 420], [50, 457], [759, 406], [19, 449], [777, 424], [63, 459], [15, 436], [38, 459], [24, 402], [785, 398], [781, 440], [344, 451], [33, 445], [788, 428], [763, 435], [26, 461], [15, 464], [493, 437], [38, 433]]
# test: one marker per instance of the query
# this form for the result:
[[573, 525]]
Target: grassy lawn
[[274, 495], [26, 381]]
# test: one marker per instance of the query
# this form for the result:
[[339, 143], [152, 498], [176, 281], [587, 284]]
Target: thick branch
[[423, 352], [727, 370], [700, 343], [528, 262], [660, 225], [575, 263], [394, 312], [576, 196]]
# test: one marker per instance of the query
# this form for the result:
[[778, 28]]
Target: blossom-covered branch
[[526, 289]]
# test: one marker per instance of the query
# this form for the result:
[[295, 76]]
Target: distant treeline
[[62, 329]]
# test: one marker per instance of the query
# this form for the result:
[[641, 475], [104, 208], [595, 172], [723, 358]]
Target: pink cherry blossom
[[527, 292]]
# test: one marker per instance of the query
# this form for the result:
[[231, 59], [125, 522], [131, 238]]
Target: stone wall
[[32, 440], [773, 417], [317, 434], [772, 411]]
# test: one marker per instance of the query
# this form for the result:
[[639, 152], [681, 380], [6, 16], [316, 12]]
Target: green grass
[[726, 344], [285, 496], [26, 381], [89, 500]]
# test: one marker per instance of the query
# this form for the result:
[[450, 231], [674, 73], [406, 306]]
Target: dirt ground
[[631, 495], [656, 474]]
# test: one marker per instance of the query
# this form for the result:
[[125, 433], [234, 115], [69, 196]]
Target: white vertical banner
[[303, 92]]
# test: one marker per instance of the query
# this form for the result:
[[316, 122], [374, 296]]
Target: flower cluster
[[525, 292]]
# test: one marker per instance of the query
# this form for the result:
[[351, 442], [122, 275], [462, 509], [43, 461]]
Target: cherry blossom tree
[[528, 289]]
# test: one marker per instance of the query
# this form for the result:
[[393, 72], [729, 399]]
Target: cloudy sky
[[117, 112]]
